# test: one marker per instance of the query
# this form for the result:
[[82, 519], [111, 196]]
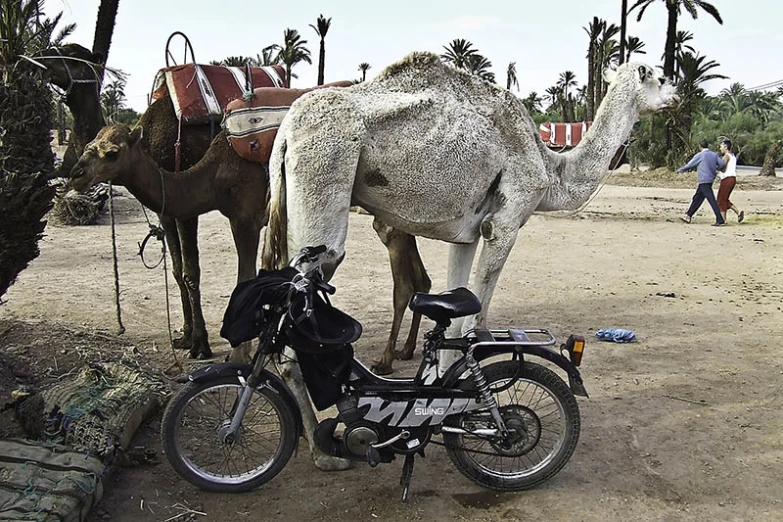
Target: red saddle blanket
[[251, 125], [201, 92], [563, 134]]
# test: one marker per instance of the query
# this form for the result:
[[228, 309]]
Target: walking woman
[[728, 178]]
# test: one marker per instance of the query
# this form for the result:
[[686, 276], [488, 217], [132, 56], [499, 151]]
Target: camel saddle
[[563, 134], [200, 93], [251, 123]]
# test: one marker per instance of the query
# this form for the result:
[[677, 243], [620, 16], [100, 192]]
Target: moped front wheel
[[202, 449], [542, 418]]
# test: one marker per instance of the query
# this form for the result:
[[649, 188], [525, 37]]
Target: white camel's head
[[651, 91]]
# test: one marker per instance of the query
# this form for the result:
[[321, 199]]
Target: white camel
[[436, 152]]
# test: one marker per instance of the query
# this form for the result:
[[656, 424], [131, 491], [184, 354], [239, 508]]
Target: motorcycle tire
[[194, 436], [539, 404]]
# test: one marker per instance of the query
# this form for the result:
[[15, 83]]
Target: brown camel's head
[[71, 64], [107, 157]]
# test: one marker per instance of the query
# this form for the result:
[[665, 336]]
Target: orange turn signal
[[575, 346]]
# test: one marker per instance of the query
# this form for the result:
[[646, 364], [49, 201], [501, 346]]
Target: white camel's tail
[[275, 251]]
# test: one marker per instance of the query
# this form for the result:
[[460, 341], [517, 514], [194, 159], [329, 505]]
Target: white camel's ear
[[644, 73], [610, 75], [136, 134]]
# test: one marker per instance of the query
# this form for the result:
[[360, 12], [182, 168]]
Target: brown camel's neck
[[577, 173], [180, 195]]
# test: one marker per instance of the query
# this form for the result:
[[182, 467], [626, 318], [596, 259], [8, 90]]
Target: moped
[[507, 423]]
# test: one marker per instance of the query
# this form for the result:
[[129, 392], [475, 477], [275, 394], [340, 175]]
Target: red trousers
[[724, 191]]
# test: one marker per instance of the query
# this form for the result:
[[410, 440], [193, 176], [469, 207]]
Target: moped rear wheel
[[196, 439], [542, 417]]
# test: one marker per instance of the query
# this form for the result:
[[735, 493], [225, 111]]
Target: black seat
[[445, 306]]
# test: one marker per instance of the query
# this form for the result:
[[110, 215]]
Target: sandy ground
[[685, 424]]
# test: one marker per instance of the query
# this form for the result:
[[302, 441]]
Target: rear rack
[[513, 337]]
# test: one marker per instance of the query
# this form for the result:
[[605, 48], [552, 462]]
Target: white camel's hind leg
[[460, 262], [292, 376]]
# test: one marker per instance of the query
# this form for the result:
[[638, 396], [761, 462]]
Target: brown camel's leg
[[172, 240], [409, 276], [246, 236], [191, 274], [421, 283]]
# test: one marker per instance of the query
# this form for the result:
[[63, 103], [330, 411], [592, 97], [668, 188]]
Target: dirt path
[[683, 425]]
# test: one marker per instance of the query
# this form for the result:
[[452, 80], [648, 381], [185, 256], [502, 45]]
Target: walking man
[[707, 163]]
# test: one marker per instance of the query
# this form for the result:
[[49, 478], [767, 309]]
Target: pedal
[[407, 474], [373, 456]]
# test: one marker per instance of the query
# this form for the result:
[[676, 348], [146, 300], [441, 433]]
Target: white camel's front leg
[[460, 262], [292, 375], [500, 233]]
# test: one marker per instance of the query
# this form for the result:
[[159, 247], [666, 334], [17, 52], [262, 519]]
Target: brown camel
[[220, 181]]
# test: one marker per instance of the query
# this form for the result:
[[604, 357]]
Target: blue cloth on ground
[[617, 335]]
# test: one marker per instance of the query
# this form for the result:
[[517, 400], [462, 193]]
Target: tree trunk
[[671, 39], [104, 29], [768, 168], [623, 24], [321, 62], [590, 81]]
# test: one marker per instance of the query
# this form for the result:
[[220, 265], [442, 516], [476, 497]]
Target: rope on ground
[[121, 327]]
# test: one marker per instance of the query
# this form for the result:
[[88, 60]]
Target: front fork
[[486, 394], [248, 387]]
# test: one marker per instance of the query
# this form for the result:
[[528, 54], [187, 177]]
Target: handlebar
[[311, 281]]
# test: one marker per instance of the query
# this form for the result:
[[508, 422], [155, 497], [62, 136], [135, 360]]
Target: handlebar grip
[[326, 287], [316, 251]]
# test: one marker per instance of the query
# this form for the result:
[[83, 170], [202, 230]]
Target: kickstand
[[405, 479]]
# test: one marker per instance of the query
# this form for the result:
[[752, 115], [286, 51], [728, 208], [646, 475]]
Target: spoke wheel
[[542, 418], [201, 447]]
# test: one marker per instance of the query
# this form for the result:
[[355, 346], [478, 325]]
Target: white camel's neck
[[576, 174]]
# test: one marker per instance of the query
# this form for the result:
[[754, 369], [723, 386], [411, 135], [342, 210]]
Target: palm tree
[[511, 76], [26, 161], [532, 102], [593, 31], [292, 52], [608, 54], [113, 99], [633, 45], [479, 65], [695, 70], [104, 29], [623, 28], [236, 61], [458, 52], [363, 67], [270, 55], [735, 97], [321, 29], [673, 8], [567, 79], [554, 95]]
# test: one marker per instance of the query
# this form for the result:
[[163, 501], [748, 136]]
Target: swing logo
[[429, 411]]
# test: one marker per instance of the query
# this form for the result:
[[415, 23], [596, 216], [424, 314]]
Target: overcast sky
[[543, 38]]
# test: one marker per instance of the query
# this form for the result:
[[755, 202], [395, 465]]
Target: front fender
[[233, 369]]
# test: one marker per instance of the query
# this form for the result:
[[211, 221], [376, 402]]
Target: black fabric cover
[[325, 329], [324, 374], [243, 316], [447, 305]]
